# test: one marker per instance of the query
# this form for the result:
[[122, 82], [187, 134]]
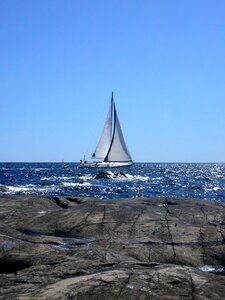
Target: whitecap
[[216, 188], [86, 177], [137, 177], [51, 178], [54, 178], [66, 177], [31, 188], [75, 184], [142, 178], [157, 178], [39, 169], [21, 188]]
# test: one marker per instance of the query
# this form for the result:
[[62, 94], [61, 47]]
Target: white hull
[[105, 164]]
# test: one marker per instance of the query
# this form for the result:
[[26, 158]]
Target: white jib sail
[[105, 139], [118, 151]]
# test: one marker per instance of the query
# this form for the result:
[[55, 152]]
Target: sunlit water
[[199, 181]]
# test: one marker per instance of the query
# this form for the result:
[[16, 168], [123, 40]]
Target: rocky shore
[[86, 248]]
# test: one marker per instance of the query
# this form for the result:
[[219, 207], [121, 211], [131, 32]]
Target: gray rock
[[86, 248], [4, 189], [110, 175]]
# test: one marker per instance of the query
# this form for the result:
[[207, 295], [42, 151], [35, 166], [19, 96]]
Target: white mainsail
[[118, 151], [106, 137]]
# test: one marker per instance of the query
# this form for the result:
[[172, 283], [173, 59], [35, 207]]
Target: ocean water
[[199, 181]]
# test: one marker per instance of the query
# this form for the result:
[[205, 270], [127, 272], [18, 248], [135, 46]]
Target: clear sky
[[61, 59]]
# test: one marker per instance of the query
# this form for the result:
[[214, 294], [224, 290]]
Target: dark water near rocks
[[199, 181]]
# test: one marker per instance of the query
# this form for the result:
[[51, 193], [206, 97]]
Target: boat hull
[[105, 164]]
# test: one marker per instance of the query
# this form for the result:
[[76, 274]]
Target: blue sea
[[199, 181]]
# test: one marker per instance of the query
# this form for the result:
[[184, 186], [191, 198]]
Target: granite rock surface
[[86, 248]]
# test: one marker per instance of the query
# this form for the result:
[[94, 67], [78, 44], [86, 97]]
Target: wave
[[55, 178], [51, 178], [28, 189], [216, 188], [137, 177], [15, 189], [86, 177], [39, 169], [76, 184], [38, 189]]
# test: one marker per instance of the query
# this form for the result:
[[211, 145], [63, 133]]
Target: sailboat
[[111, 150]]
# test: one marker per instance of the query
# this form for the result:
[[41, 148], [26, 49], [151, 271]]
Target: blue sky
[[164, 60]]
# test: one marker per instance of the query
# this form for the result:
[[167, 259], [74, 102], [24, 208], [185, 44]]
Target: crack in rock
[[204, 214], [192, 287], [124, 285], [201, 241], [220, 230], [169, 232], [63, 203], [135, 222]]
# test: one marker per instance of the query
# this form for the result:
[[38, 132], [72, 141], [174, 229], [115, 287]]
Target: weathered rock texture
[[85, 248]]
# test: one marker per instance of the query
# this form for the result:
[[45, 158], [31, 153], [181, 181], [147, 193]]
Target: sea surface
[[199, 181]]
